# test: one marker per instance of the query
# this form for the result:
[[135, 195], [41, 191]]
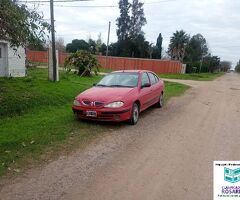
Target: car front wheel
[[160, 102], [135, 114]]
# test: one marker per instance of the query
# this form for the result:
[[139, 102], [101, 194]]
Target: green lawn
[[36, 121], [174, 89], [196, 76]]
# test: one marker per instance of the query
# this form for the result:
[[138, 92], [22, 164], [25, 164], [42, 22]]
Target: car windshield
[[122, 79]]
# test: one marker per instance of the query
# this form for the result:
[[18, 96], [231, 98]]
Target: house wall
[[16, 62]]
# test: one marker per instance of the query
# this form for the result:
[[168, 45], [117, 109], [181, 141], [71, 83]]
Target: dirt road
[[169, 155]]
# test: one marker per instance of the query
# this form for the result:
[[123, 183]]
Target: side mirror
[[146, 85]]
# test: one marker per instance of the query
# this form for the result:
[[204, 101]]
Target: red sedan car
[[120, 96]]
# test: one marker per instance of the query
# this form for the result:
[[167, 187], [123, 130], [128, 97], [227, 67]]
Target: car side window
[[145, 79], [152, 78]]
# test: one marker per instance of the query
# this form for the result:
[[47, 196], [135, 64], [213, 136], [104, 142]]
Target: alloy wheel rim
[[161, 100], [135, 114]]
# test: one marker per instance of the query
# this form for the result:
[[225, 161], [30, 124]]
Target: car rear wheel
[[135, 114], [160, 102]]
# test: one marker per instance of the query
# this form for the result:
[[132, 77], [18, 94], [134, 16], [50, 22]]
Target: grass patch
[[36, 121], [19, 95], [174, 89], [195, 76]]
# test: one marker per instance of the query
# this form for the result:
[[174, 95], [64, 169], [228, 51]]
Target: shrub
[[82, 61], [237, 68]]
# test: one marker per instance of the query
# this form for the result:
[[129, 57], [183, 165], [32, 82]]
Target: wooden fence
[[117, 63]]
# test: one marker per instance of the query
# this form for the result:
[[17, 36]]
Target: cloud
[[217, 20]]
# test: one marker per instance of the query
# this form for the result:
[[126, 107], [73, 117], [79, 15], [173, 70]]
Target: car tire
[[135, 114], [160, 102]]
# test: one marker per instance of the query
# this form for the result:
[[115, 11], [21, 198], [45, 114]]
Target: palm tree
[[178, 44]]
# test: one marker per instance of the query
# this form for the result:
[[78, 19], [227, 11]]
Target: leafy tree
[[225, 66], [178, 45], [123, 22], [138, 19], [208, 64], [237, 68], [131, 41], [92, 46], [83, 61], [37, 46], [140, 48], [103, 49], [196, 49], [77, 45], [99, 43], [114, 49], [157, 50], [213, 63], [21, 26]]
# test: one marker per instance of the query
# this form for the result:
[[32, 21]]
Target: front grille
[[92, 103], [98, 104]]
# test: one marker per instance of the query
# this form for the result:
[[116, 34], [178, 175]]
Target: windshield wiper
[[120, 86], [101, 85]]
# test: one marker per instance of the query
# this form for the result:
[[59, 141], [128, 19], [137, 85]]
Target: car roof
[[131, 71]]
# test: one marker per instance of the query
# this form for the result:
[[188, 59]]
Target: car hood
[[105, 94]]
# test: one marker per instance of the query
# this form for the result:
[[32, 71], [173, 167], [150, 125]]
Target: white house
[[12, 63]]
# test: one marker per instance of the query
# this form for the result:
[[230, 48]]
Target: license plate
[[90, 113]]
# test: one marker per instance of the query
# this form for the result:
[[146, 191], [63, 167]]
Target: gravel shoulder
[[168, 155]]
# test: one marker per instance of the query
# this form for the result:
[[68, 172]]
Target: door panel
[[145, 93], [154, 88]]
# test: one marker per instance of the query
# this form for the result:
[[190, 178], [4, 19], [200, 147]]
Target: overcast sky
[[217, 20]]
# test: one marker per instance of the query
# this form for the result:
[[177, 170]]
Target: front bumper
[[103, 114]]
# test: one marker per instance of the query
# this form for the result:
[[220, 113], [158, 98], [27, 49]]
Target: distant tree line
[[194, 52], [92, 46], [237, 68]]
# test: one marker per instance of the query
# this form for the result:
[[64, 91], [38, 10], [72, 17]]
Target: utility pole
[[109, 28], [54, 60]]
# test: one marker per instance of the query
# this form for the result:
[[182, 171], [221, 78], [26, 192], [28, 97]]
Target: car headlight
[[76, 103], [116, 104]]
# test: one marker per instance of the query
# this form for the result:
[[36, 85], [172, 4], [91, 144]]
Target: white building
[[12, 63]]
